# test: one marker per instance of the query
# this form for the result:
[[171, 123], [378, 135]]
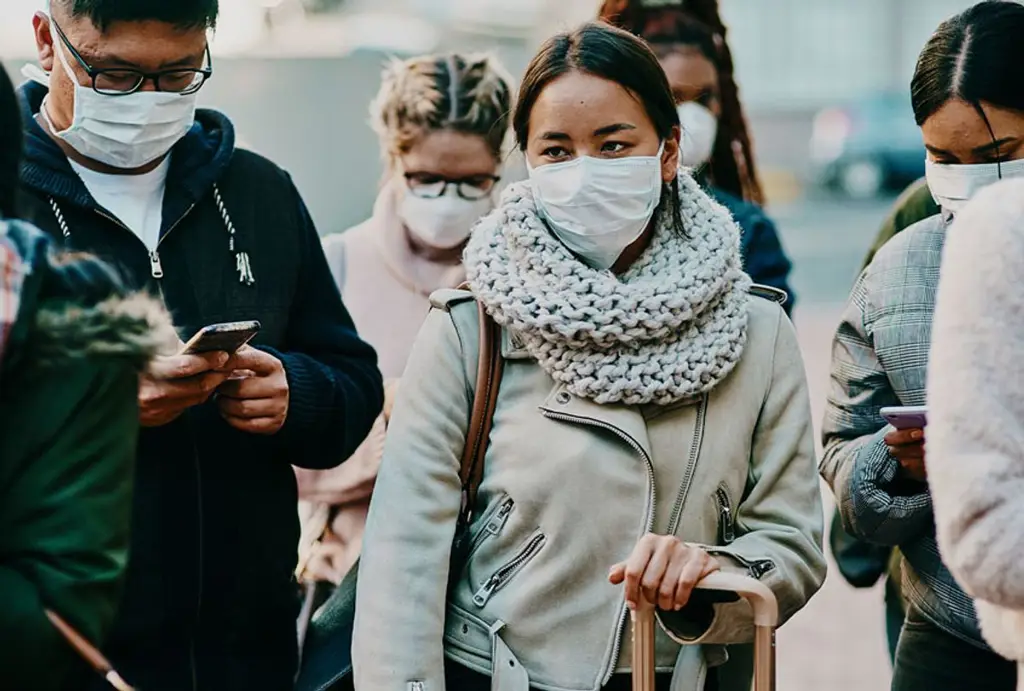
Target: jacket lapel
[[627, 422]]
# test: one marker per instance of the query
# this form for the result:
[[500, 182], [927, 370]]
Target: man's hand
[[257, 403], [176, 383], [907, 447]]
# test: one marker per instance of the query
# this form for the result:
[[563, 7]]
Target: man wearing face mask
[[119, 162], [441, 121]]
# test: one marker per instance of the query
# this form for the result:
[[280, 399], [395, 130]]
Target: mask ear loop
[[991, 133]]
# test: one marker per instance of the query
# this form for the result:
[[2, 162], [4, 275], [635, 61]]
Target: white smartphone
[[906, 417], [227, 337]]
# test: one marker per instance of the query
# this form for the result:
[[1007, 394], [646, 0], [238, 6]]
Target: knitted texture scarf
[[671, 327]]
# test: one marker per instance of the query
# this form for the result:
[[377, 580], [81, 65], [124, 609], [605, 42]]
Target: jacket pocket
[[505, 573], [726, 519], [491, 525]]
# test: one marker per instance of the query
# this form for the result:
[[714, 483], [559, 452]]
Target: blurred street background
[[824, 82]]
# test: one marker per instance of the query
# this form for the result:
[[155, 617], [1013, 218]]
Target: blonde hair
[[465, 93]]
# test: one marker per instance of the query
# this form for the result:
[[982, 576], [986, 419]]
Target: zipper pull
[[481, 596], [156, 268], [495, 525], [728, 530]]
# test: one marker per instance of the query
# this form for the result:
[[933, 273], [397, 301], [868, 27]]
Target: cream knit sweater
[[975, 437]]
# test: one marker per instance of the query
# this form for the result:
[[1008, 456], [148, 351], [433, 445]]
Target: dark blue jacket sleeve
[[763, 255], [336, 391]]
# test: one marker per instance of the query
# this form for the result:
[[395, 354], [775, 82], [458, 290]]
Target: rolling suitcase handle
[[766, 618]]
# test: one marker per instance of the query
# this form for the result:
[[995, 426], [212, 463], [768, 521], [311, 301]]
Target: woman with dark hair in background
[[586, 432], [689, 39], [971, 112], [70, 349]]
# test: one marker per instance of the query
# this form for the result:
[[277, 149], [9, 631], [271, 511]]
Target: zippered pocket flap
[[507, 571]]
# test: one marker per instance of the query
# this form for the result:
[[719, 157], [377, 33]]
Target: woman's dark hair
[[609, 53], [10, 146], [668, 25], [975, 56]]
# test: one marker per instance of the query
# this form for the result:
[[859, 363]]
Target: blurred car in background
[[869, 147]]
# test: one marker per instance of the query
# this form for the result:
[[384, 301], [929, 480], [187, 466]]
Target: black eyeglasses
[[119, 81], [431, 186]]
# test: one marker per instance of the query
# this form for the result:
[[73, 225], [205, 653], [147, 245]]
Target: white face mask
[[442, 222], [952, 185], [127, 131], [700, 131], [598, 207]]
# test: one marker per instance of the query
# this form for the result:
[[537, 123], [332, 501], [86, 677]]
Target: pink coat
[[386, 287]]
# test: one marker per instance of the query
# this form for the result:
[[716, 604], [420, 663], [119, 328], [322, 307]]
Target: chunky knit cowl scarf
[[670, 328]]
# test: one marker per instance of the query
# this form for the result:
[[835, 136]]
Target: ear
[[670, 157], [44, 40]]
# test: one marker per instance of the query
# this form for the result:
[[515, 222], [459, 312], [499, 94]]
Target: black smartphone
[[226, 338]]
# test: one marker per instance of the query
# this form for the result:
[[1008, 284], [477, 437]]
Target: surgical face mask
[[700, 131], [127, 131], [953, 185], [441, 222], [598, 207]]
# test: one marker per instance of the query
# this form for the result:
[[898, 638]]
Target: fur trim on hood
[[134, 328]]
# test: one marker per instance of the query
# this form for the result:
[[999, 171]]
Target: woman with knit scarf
[[652, 424]]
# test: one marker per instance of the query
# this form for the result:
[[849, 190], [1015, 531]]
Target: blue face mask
[[598, 207]]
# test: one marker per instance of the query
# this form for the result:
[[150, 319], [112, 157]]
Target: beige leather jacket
[[569, 488]]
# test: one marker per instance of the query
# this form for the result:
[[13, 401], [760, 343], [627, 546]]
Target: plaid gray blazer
[[880, 358]]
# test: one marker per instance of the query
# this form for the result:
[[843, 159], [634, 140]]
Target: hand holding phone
[[907, 443], [257, 403], [175, 383]]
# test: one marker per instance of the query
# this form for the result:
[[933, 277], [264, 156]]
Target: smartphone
[[225, 338], [906, 417]]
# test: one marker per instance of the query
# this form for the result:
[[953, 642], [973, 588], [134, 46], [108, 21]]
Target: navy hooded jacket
[[210, 601]]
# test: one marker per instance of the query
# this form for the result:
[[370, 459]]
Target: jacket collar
[[626, 421], [197, 162]]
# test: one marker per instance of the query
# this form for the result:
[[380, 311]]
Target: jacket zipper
[[649, 525], [156, 268], [756, 567], [727, 526], [494, 525], [691, 464], [503, 575]]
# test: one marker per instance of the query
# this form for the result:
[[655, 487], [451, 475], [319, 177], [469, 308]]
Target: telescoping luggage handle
[[766, 619]]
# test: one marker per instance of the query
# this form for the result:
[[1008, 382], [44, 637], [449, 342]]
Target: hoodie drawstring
[[242, 264]]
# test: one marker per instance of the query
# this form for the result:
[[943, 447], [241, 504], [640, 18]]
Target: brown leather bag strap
[[485, 398]]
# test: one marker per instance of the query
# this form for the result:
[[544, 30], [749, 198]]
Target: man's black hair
[[184, 14]]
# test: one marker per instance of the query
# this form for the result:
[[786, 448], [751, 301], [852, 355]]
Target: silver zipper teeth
[[684, 488], [725, 512], [624, 612], [506, 572]]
